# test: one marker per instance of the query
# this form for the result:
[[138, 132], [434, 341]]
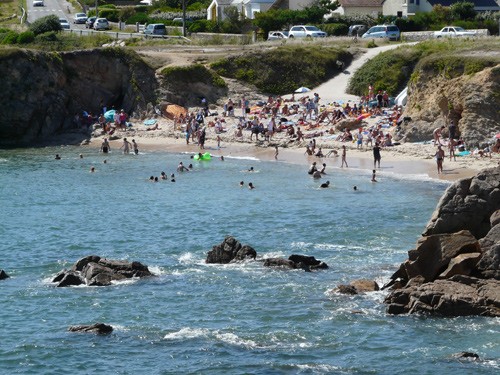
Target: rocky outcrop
[[42, 91], [97, 328], [294, 261], [468, 204], [358, 286], [96, 271], [230, 250], [3, 275], [469, 99], [455, 268]]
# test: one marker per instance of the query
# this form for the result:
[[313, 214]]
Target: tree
[[46, 24], [462, 11]]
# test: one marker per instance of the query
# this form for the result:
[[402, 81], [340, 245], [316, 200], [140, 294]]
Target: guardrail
[[123, 35]]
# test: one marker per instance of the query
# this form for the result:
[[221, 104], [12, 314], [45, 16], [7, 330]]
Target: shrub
[[26, 37], [138, 17], [45, 25], [50, 36], [335, 29], [9, 37], [110, 14]]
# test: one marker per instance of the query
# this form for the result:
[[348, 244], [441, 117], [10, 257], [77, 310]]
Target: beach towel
[[149, 122]]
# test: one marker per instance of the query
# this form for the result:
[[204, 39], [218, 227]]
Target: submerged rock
[[294, 261], [96, 271], [230, 250], [3, 275], [98, 328], [466, 355]]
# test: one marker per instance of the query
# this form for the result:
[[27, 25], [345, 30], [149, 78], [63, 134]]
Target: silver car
[[101, 24], [277, 35], [306, 31], [64, 23]]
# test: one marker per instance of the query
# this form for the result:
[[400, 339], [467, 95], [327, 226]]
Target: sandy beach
[[404, 159]]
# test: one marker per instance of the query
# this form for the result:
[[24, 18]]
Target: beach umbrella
[[109, 115], [302, 89], [174, 110]]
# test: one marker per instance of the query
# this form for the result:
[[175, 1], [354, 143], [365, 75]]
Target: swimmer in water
[[163, 176], [251, 169], [182, 168], [172, 177], [190, 166], [242, 183], [325, 184], [250, 186], [104, 161], [92, 169], [151, 178], [221, 158], [156, 179], [81, 156], [57, 157], [355, 188]]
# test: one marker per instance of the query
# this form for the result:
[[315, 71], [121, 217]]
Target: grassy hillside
[[391, 70], [283, 69]]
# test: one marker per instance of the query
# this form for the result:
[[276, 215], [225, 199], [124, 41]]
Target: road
[[57, 7]]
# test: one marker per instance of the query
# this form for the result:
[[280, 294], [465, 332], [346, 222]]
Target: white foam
[[157, 270], [187, 258], [242, 158], [187, 333], [232, 339]]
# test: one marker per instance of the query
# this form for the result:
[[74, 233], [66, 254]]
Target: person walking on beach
[[105, 148], [276, 152], [135, 147], [360, 139], [376, 155], [451, 148], [125, 146], [437, 135], [439, 155], [344, 154]]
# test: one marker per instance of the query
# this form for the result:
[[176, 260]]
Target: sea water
[[197, 318]]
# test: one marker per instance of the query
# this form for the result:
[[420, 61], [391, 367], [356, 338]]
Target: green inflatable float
[[205, 156]]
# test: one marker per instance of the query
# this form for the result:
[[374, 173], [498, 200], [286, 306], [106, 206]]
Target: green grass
[[281, 70], [192, 74], [392, 70]]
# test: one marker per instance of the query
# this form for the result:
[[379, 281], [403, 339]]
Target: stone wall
[[417, 36]]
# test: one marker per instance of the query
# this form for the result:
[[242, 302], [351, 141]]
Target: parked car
[[101, 24], [357, 30], [80, 18], [90, 22], [38, 3], [277, 35], [64, 23], [390, 32], [453, 32], [302, 31], [155, 29]]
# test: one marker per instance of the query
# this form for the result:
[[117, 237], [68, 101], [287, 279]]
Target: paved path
[[334, 90]]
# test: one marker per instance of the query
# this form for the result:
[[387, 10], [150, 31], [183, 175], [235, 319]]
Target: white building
[[410, 7], [248, 8]]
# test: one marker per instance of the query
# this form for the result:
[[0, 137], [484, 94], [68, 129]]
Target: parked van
[[155, 29], [390, 32]]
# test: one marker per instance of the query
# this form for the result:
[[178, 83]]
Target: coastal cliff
[[465, 91], [42, 91], [455, 268]]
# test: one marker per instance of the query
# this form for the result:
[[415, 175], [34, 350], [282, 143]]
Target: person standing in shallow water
[[135, 147], [344, 155], [105, 147], [125, 146], [376, 155]]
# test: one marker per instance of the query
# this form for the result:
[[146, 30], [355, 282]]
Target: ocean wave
[[187, 334], [235, 340], [157, 270]]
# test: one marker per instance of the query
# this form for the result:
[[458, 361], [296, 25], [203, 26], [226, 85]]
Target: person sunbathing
[[153, 128]]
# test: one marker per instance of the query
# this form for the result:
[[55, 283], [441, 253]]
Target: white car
[[303, 31], [80, 18], [453, 32], [38, 3], [101, 24], [64, 23], [277, 35]]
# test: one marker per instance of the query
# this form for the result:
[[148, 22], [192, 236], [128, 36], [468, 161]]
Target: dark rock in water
[[466, 355], [96, 271], [365, 285], [98, 328], [346, 289], [230, 250], [280, 262], [3, 275], [310, 261], [70, 278]]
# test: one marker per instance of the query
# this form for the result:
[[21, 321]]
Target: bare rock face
[[42, 91], [230, 250], [348, 123], [470, 100], [97, 328], [455, 268], [96, 271], [357, 287], [468, 204], [457, 296]]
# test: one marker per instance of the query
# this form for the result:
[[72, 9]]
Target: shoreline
[[398, 160]]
